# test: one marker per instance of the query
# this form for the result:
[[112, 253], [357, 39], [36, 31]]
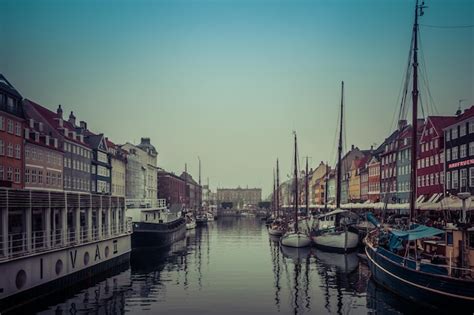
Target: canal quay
[[230, 266]]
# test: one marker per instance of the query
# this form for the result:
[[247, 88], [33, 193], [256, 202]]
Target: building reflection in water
[[230, 266]]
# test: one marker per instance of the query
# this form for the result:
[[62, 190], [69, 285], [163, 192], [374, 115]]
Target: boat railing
[[19, 244], [145, 203]]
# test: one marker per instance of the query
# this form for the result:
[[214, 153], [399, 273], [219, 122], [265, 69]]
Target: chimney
[[145, 141], [59, 111], [72, 119], [83, 125], [352, 147]]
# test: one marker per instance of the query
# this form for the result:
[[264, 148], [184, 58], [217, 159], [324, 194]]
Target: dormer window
[[32, 123]]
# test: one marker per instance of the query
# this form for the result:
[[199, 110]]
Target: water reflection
[[231, 266]]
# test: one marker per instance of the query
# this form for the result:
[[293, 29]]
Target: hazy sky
[[229, 80]]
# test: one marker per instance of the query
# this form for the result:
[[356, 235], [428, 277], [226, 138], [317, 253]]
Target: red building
[[430, 161], [172, 188], [11, 136], [388, 165], [374, 179], [43, 158]]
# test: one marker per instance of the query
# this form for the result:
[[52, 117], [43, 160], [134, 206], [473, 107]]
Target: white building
[[142, 170]]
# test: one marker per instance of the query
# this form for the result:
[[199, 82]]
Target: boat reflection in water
[[230, 267]]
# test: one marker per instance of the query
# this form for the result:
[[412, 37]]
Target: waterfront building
[[404, 186], [11, 136], [331, 186], [77, 153], [364, 179], [101, 174], [374, 179], [430, 161], [316, 184], [346, 163], [240, 196], [209, 197], [172, 188], [388, 165], [459, 153], [193, 191], [43, 159], [355, 179], [118, 162], [142, 170]]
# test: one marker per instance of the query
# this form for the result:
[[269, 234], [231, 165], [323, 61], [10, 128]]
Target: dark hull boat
[[146, 234], [424, 283]]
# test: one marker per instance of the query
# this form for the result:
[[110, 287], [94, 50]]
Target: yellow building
[[317, 184]]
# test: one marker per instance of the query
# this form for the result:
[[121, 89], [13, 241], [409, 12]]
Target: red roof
[[52, 119], [441, 122]]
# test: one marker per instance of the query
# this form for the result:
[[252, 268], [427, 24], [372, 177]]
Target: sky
[[229, 81]]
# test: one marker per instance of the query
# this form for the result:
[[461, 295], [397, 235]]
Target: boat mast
[[278, 191], [200, 188], [186, 184], [274, 192], [414, 137], [339, 152], [326, 189], [307, 188], [296, 185]]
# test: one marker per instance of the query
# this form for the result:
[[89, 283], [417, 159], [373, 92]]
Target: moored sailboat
[[335, 230], [404, 261], [296, 238]]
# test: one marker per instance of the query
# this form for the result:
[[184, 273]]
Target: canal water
[[230, 267]]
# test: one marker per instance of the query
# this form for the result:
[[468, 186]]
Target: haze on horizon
[[229, 80]]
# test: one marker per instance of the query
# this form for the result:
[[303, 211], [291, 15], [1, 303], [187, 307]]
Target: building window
[[18, 151], [18, 129], [10, 126], [2, 123], [436, 143], [463, 177], [436, 160], [454, 133], [1, 172], [10, 150], [462, 130], [471, 147], [454, 153], [471, 176], [10, 174], [40, 177], [2, 147], [448, 180], [436, 179], [471, 126], [455, 179], [17, 175], [27, 176], [462, 151], [441, 178]]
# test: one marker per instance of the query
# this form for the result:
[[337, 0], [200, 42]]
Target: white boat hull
[[275, 232], [295, 240], [344, 241]]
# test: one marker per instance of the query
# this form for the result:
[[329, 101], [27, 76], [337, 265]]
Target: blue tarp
[[421, 231]]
